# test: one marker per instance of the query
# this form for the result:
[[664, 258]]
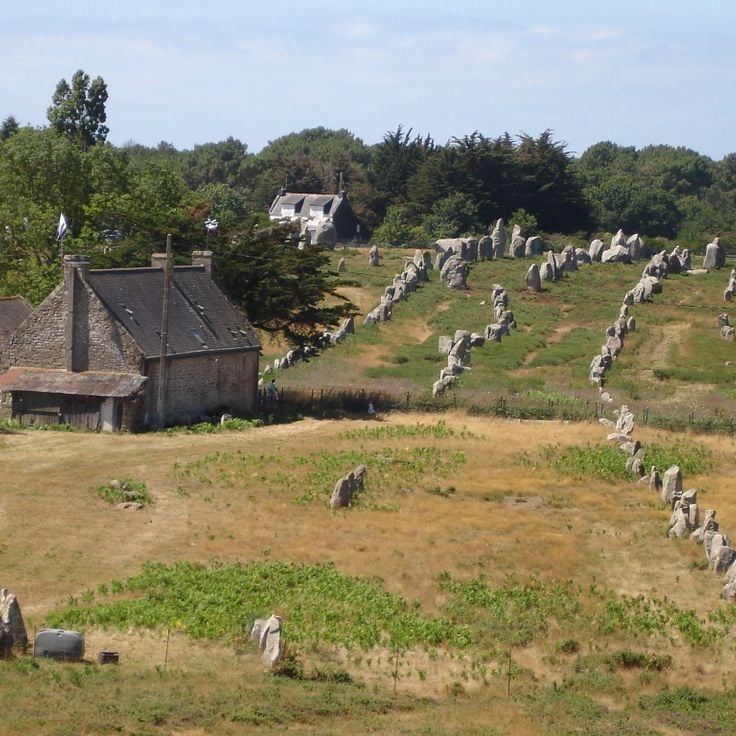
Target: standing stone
[[11, 619], [374, 257], [268, 634], [595, 250], [454, 273], [552, 261], [635, 246], [517, 246], [341, 267], [547, 272], [715, 255], [671, 485], [722, 558], [342, 494], [729, 584], [498, 235], [533, 247], [445, 344], [485, 248], [673, 260], [533, 279], [619, 239]]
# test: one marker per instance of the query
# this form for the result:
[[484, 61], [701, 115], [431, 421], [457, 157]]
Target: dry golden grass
[[60, 539]]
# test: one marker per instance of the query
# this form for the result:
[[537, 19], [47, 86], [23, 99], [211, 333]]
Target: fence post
[[407, 400]]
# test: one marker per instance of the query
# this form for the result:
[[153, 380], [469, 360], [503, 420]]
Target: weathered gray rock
[[341, 266], [685, 516], [715, 255], [636, 247], [496, 331], [374, 257], [709, 525], [655, 482], [721, 558], [729, 584], [517, 244], [485, 248], [595, 251], [671, 485], [454, 273], [631, 324], [617, 254], [625, 421], [533, 279], [547, 272], [712, 543], [477, 340], [498, 236], [619, 239], [12, 625], [674, 260], [267, 634], [582, 257], [439, 387], [346, 488], [342, 494], [533, 247], [444, 344]]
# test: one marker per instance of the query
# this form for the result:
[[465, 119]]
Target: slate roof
[[13, 310], [328, 204], [201, 318], [86, 383]]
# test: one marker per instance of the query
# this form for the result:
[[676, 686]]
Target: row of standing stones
[[457, 348], [685, 520]]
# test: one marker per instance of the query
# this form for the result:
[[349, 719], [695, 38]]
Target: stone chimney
[[76, 328], [203, 258], [158, 260]]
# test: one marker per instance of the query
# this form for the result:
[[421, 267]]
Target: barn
[[90, 355]]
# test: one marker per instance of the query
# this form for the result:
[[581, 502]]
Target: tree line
[[407, 189]]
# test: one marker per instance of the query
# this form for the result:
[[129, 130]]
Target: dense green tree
[[225, 162], [8, 127], [78, 109], [549, 186], [393, 162], [285, 291]]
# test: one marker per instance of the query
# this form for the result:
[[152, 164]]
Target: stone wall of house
[[99, 343], [202, 385]]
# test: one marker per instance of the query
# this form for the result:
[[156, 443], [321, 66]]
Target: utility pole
[[161, 402]]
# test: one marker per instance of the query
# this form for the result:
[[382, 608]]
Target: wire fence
[[336, 402]]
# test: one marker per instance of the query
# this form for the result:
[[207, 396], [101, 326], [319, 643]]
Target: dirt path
[[662, 340]]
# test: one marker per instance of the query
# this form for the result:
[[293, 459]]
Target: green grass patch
[[125, 490], [607, 462], [319, 604], [316, 473]]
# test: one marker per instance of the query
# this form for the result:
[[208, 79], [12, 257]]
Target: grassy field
[[674, 364], [479, 548], [495, 577]]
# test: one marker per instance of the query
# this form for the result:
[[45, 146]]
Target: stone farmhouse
[[90, 354], [316, 212]]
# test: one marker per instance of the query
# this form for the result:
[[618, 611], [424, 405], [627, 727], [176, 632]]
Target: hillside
[[675, 364], [495, 576]]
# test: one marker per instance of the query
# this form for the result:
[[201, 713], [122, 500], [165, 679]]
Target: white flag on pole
[[63, 227]]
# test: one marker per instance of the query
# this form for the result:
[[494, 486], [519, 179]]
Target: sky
[[632, 72]]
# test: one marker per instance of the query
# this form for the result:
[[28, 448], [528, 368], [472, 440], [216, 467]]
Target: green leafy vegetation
[[319, 604], [119, 491], [609, 463]]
